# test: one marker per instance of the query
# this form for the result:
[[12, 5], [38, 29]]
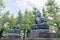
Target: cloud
[[58, 2], [15, 5], [28, 4], [22, 4]]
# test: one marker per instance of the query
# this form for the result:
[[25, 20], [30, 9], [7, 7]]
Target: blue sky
[[15, 5], [11, 6]]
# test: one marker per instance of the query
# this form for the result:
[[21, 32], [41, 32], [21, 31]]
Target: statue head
[[16, 23], [38, 14]]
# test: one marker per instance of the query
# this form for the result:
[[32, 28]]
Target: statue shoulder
[[44, 19]]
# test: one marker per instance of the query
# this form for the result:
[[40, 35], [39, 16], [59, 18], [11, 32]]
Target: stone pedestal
[[13, 37], [39, 31], [38, 35], [34, 35]]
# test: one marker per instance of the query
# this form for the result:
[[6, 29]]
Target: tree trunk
[[1, 32], [24, 34]]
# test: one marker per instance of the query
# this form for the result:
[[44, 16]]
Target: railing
[[42, 38], [11, 39], [32, 39]]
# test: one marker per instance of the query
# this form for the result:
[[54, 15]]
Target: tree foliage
[[51, 12], [25, 19]]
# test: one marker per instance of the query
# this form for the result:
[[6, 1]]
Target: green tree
[[26, 20], [34, 11], [20, 18], [5, 17], [12, 21], [51, 12], [5, 21], [1, 26], [1, 8]]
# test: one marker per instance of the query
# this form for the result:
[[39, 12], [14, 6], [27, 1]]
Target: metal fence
[[32, 39], [42, 38], [10, 39]]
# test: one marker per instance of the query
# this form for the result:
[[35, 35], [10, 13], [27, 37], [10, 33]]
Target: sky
[[15, 5]]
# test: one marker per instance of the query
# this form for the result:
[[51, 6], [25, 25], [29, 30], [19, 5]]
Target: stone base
[[38, 35], [13, 36]]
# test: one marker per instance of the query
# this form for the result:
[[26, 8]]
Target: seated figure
[[40, 23], [15, 30], [39, 19]]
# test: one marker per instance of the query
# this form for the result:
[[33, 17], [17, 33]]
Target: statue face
[[39, 16]]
